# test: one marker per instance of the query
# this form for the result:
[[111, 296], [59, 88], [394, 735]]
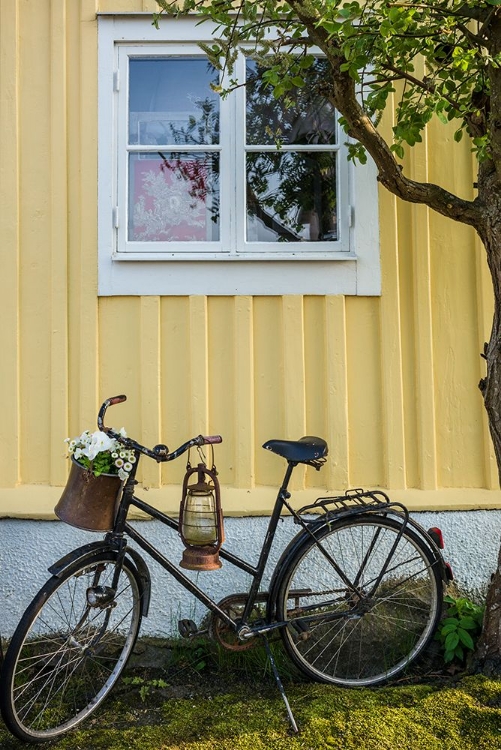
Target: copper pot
[[89, 502]]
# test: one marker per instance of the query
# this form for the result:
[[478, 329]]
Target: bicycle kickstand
[[279, 684]]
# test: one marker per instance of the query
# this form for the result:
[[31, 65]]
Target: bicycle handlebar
[[159, 453]]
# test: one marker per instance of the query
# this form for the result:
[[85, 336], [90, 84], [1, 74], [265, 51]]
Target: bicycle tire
[[348, 640], [66, 655]]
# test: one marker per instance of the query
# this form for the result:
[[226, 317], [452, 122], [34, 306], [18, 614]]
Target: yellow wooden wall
[[390, 381]]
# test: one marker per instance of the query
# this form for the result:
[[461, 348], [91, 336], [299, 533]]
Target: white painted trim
[[313, 270]]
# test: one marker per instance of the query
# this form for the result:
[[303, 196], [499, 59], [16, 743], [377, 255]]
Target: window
[[195, 197]]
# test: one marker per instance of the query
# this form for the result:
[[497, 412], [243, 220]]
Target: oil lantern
[[201, 519]]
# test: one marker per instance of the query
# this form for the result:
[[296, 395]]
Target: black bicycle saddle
[[304, 450]]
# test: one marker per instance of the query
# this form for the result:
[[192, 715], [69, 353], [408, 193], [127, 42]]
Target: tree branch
[[343, 97]]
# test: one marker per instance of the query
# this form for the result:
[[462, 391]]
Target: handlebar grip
[[212, 439], [117, 400], [102, 411]]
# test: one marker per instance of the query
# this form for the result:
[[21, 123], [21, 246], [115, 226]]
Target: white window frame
[[230, 266]]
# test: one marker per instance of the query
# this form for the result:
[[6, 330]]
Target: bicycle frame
[[160, 453], [122, 527]]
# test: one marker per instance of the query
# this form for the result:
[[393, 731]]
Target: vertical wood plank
[[425, 388], [175, 380], [87, 236], [150, 393], [268, 385], [316, 377], [243, 404], [9, 247], [338, 464], [58, 243], [76, 298], [34, 236], [363, 323], [199, 365], [83, 330], [294, 376], [391, 349]]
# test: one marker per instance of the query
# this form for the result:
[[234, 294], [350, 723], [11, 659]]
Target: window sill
[[222, 257], [246, 277]]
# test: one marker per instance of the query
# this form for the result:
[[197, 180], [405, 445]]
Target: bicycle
[[356, 596]]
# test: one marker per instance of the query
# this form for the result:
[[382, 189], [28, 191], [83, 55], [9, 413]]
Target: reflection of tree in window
[[291, 194], [200, 172]]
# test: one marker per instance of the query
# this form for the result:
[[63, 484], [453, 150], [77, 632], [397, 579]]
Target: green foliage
[[438, 55], [460, 628], [145, 685]]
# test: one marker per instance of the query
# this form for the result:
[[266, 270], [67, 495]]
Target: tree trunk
[[487, 657]]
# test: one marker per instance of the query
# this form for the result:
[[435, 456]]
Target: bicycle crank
[[234, 606]]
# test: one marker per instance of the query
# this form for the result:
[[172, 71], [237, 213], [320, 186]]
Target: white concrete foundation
[[28, 548]]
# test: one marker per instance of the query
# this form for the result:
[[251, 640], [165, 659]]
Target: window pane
[[291, 197], [310, 121], [171, 101], [174, 197]]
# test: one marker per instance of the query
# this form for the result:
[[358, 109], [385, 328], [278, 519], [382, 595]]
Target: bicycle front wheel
[[345, 627], [69, 649]]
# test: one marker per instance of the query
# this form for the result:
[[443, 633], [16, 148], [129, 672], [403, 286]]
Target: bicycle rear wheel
[[354, 636], [69, 649]]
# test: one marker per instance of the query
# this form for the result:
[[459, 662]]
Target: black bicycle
[[356, 597]]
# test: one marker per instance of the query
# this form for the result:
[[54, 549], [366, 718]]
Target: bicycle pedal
[[187, 628]]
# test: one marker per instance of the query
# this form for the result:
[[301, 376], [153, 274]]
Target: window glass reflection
[[310, 121], [174, 197], [291, 197], [171, 101]]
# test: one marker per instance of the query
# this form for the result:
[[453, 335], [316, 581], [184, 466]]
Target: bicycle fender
[[80, 554], [436, 552], [88, 551]]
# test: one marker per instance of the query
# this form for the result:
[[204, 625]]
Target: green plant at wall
[[460, 628]]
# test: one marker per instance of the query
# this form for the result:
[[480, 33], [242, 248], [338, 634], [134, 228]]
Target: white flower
[[90, 445], [123, 475], [127, 466]]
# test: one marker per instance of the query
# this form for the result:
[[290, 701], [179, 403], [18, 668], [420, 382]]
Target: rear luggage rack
[[353, 502]]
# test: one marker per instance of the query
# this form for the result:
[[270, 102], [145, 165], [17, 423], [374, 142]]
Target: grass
[[203, 701]]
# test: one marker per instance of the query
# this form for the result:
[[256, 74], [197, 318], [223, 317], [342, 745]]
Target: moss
[[462, 715]]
